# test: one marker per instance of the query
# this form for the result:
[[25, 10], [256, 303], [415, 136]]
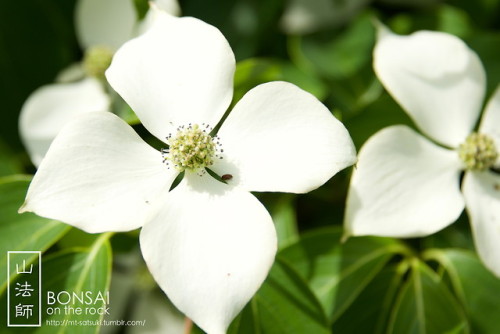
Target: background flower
[[404, 184], [102, 26]]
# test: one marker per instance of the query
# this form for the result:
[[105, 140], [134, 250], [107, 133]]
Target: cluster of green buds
[[478, 152], [192, 148]]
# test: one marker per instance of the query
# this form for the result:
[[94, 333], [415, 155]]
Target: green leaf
[[454, 21], [352, 95], [26, 232], [382, 113], [76, 238], [8, 163], [255, 71], [81, 270], [141, 8], [482, 12], [370, 311], [284, 304], [476, 287], [426, 306], [338, 272], [457, 235], [487, 46], [338, 57], [284, 217]]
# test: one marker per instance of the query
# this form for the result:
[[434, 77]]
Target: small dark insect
[[226, 177], [497, 187]]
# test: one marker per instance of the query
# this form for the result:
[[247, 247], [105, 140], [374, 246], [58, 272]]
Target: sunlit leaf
[[337, 57], [81, 270], [426, 306], [454, 21], [255, 71], [476, 287], [382, 113], [26, 232], [338, 272], [354, 94], [84, 272], [285, 221], [283, 305], [369, 313]]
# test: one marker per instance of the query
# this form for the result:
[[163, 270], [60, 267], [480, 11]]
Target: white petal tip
[[186, 250], [158, 11], [345, 237], [154, 7], [382, 30], [355, 159], [24, 208]]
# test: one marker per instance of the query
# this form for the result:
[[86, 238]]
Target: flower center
[[192, 148], [97, 60], [478, 152]]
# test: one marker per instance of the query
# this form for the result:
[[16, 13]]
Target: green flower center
[[97, 60], [478, 152], [192, 148]]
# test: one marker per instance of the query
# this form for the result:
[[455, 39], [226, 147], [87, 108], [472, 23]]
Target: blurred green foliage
[[37, 40]]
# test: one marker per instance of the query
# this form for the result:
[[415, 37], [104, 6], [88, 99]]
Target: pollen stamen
[[192, 148], [478, 152]]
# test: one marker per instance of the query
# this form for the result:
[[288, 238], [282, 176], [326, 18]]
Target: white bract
[[134, 294], [102, 26], [405, 185], [208, 244]]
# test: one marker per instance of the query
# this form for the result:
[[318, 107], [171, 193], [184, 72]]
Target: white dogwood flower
[[406, 185], [208, 244], [102, 26]]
